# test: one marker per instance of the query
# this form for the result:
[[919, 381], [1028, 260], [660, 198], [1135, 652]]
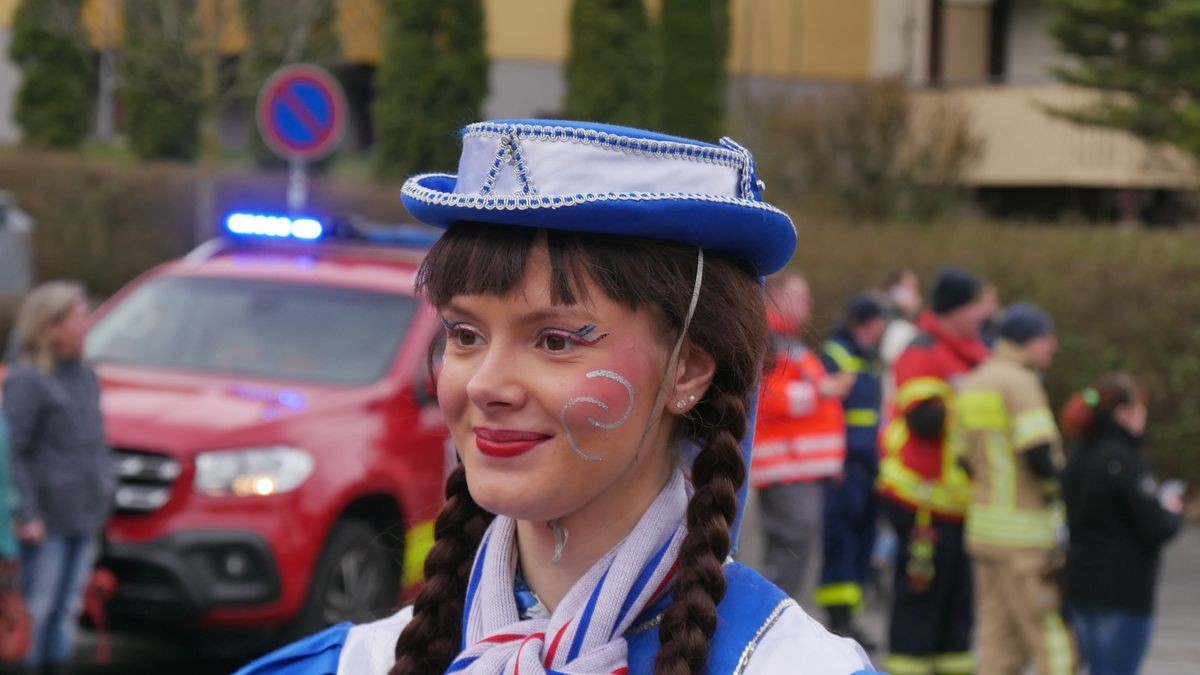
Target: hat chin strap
[[673, 360]]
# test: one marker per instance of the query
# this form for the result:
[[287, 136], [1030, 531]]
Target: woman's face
[[552, 407], [1132, 416], [67, 335]]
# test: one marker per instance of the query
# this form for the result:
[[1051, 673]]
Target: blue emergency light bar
[[276, 227]]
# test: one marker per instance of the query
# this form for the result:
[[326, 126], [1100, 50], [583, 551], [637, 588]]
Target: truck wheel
[[357, 579]]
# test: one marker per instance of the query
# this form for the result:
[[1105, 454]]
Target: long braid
[[431, 640], [691, 619]]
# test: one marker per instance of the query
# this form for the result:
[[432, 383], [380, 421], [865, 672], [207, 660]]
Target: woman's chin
[[515, 500]]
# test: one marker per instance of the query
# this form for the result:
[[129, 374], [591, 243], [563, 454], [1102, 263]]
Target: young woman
[[61, 468], [1118, 521], [604, 326]]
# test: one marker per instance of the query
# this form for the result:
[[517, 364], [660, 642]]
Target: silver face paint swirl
[[562, 415]]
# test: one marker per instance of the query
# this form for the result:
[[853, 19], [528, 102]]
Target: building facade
[[993, 58]]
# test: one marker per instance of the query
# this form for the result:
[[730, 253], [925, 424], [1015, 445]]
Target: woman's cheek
[[601, 402], [452, 390]]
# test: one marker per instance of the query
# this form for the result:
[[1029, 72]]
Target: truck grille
[[143, 480]]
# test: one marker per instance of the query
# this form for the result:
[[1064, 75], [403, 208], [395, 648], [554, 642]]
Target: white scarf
[[585, 632]]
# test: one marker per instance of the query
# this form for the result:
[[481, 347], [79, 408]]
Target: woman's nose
[[496, 383]]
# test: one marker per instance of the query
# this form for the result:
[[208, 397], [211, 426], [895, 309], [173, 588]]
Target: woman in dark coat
[[1119, 520]]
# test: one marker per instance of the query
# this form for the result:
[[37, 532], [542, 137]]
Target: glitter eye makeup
[[585, 334], [592, 400]]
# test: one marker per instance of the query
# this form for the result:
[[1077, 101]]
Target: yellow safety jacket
[[1001, 413]]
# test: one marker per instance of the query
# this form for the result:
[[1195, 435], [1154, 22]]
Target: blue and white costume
[[614, 180]]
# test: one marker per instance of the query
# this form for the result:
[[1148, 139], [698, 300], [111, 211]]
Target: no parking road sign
[[301, 112]]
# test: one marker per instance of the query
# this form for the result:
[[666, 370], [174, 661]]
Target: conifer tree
[[694, 39], [54, 102], [610, 70], [431, 81], [1141, 55]]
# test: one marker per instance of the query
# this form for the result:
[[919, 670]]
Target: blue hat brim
[[752, 231]]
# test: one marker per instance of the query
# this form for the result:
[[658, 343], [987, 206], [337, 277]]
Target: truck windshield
[[269, 329]]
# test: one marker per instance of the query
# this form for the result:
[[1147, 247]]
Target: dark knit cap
[[954, 288], [1024, 321], [862, 308]]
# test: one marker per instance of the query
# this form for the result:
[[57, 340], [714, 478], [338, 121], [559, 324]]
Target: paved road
[[1175, 651]]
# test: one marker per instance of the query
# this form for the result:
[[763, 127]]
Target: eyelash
[[577, 338], [453, 330], [571, 338]]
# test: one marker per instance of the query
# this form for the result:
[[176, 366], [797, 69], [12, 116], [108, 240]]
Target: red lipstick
[[504, 443]]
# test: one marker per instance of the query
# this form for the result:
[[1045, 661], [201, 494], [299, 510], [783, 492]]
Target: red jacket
[[799, 435], [923, 472]]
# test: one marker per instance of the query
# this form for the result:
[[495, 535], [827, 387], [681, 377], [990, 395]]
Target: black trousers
[[933, 625]]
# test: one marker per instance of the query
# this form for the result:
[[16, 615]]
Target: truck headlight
[[252, 471]]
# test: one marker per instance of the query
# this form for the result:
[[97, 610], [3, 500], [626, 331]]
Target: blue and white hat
[[608, 179]]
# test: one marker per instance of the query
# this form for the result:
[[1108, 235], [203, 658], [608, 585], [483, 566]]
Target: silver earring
[[691, 398], [680, 404]]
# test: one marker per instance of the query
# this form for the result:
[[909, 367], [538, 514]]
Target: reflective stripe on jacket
[[862, 405], [924, 472], [1002, 412], [799, 435]]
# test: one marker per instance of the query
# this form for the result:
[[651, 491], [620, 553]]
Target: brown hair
[[1081, 413], [729, 324], [42, 309]]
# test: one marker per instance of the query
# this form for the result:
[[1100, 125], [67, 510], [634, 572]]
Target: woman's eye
[[462, 336], [556, 343]]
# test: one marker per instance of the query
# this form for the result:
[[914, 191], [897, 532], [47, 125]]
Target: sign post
[[301, 116]]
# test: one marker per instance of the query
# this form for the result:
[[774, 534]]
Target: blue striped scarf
[[585, 632]]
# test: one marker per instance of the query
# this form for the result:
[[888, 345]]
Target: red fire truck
[[280, 454]]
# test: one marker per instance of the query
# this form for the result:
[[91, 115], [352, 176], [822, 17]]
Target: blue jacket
[[863, 403]]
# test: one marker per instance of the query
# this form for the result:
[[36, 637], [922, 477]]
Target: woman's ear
[[692, 377]]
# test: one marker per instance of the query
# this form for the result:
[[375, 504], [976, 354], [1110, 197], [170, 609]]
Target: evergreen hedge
[[54, 102], [431, 81], [1124, 300]]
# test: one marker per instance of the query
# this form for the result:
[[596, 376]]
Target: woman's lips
[[506, 442]]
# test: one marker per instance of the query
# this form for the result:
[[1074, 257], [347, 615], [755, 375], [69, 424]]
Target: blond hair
[[42, 309]]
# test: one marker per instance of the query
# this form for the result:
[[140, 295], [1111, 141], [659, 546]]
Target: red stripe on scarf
[[554, 644], [503, 637], [517, 660]]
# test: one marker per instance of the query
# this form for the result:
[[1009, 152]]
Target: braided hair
[[729, 324]]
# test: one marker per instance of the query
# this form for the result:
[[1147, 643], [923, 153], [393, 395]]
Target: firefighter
[[799, 438], [1014, 527], [850, 503], [925, 491]]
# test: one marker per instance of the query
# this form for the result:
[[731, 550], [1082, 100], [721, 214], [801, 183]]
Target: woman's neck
[[591, 532]]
